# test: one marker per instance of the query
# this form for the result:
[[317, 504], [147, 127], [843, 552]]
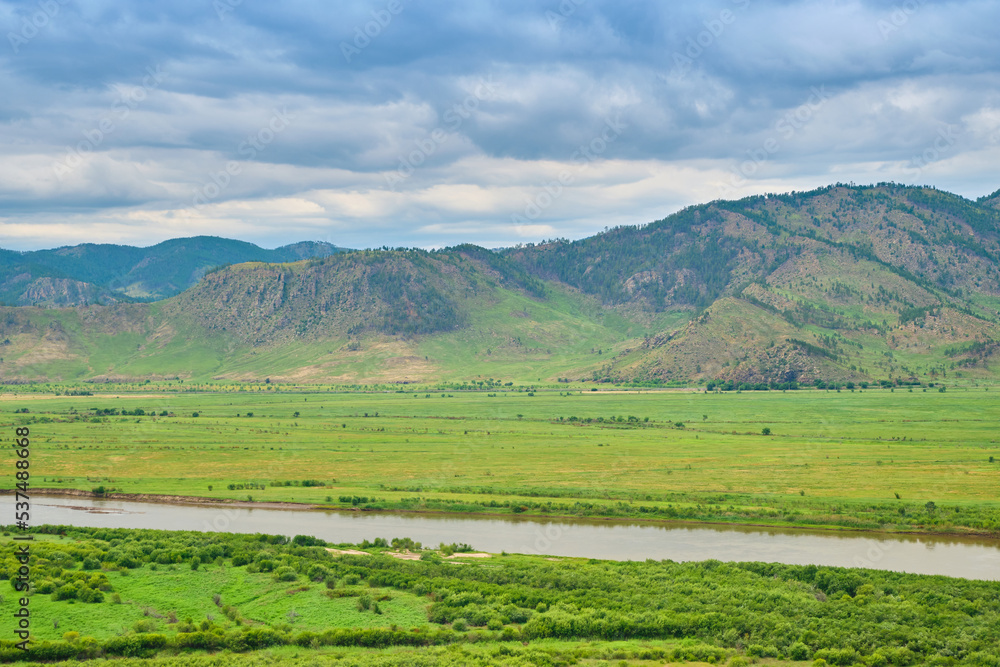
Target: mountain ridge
[[881, 283], [102, 273]]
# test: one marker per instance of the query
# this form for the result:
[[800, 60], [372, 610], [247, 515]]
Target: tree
[[766, 430]]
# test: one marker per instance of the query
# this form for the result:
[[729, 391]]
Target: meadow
[[144, 593], [874, 459]]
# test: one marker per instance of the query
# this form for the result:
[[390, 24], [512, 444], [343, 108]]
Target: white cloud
[[324, 175]]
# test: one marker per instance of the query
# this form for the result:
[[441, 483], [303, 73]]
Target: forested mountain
[[393, 315], [991, 200], [400, 293], [105, 273], [939, 241], [793, 286], [882, 283]]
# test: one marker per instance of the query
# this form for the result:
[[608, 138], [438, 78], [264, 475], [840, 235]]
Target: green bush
[[253, 639], [199, 640], [799, 651], [144, 625], [241, 559], [139, 645], [45, 587], [91, 595], [67, 592], [876, 659], [837, 656]]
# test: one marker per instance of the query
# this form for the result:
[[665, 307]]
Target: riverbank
[[639, 514], [885, 463]]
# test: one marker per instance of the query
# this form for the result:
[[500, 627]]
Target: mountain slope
[[842, 284], [784, 283], [104, 273], [365, 315]]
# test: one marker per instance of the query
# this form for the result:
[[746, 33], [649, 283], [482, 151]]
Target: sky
[[429, 124]]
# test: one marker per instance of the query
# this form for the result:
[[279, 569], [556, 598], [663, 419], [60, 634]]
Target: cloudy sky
[[406, 123]]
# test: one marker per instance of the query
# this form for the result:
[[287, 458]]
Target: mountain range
[[106, 273], [860, 284]]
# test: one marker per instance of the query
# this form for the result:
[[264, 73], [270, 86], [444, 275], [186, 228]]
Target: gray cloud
[[388, 142]]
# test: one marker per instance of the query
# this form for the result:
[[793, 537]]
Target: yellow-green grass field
[[861, 459]]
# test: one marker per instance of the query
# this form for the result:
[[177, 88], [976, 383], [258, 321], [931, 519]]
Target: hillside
[[991, 200], [105, 273], [848, 283], [841, 284], [394, 316]]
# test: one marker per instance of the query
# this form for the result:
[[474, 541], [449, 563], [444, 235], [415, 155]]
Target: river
[[950, 556]]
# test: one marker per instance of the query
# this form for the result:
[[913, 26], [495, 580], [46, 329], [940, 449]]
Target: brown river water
[[950, 556]]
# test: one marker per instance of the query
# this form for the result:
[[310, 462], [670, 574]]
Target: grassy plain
[[863, 459], [117, 592]]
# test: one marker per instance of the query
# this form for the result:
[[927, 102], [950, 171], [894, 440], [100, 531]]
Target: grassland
[[143, 593], [873, 459]]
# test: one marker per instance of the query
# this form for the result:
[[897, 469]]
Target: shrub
[[45, 586], [144, 625], [799, 651], [760, 651], [837, 656], [285, 573], [198, 640], [91, 595], [134, 645], [67, 592], [876, 659]]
